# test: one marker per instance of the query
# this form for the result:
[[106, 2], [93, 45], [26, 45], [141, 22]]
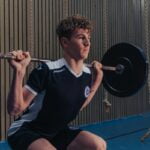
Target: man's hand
[[21, 61], [97, 68]]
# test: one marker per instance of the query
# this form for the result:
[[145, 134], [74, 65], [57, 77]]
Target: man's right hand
[[21, 61]]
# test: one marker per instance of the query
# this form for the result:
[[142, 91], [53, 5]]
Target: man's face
[[78, 45]]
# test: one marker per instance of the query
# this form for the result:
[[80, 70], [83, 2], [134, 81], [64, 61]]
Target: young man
[[54, 94]]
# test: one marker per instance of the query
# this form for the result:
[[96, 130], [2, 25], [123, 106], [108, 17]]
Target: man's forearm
[[93, 90], [15, 96]]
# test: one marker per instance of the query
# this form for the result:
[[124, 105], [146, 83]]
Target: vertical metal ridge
[[146, 35], [2, 46]]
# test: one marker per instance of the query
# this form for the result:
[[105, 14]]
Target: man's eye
[[81, 37]]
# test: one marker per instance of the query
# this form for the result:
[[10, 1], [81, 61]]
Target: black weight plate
[[135, 70]]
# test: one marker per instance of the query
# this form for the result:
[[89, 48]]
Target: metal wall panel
[[30, 25]]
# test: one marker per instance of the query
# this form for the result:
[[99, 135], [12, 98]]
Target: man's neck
[[75, 65]]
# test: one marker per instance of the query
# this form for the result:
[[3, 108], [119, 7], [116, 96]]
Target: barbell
[[125, 69], [133, 66]]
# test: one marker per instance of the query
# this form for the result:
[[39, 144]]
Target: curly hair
[[66, 27]]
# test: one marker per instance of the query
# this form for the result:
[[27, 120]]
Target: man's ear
[[64, 42]]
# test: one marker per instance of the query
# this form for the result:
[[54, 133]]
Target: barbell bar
[[108, 68]]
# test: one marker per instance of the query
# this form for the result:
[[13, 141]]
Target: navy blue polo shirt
[[60, 94]]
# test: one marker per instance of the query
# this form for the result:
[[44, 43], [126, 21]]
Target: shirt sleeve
[[38, 79]]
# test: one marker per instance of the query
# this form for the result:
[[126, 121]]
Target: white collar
[[84, 69]]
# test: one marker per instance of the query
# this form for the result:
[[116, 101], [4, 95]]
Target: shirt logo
[[86, 91]]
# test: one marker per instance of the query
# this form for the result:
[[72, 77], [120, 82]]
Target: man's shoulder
[[57, 64]]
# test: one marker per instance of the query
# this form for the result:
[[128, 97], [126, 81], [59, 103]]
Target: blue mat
[[121, 134], [4, 145], [129, 142], [124, 133]]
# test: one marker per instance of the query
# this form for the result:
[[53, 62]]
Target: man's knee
[[87, 141], [99, 145], [41, 144]]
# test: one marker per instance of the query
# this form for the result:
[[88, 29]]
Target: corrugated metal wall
[[30, 25]]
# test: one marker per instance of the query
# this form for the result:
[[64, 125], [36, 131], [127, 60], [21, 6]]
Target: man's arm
[[18, 98], [97, 79]]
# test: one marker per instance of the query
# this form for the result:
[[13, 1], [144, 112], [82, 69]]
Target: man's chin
[[85, 56]]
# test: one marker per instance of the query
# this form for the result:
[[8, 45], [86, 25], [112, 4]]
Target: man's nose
[[86, 42]]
